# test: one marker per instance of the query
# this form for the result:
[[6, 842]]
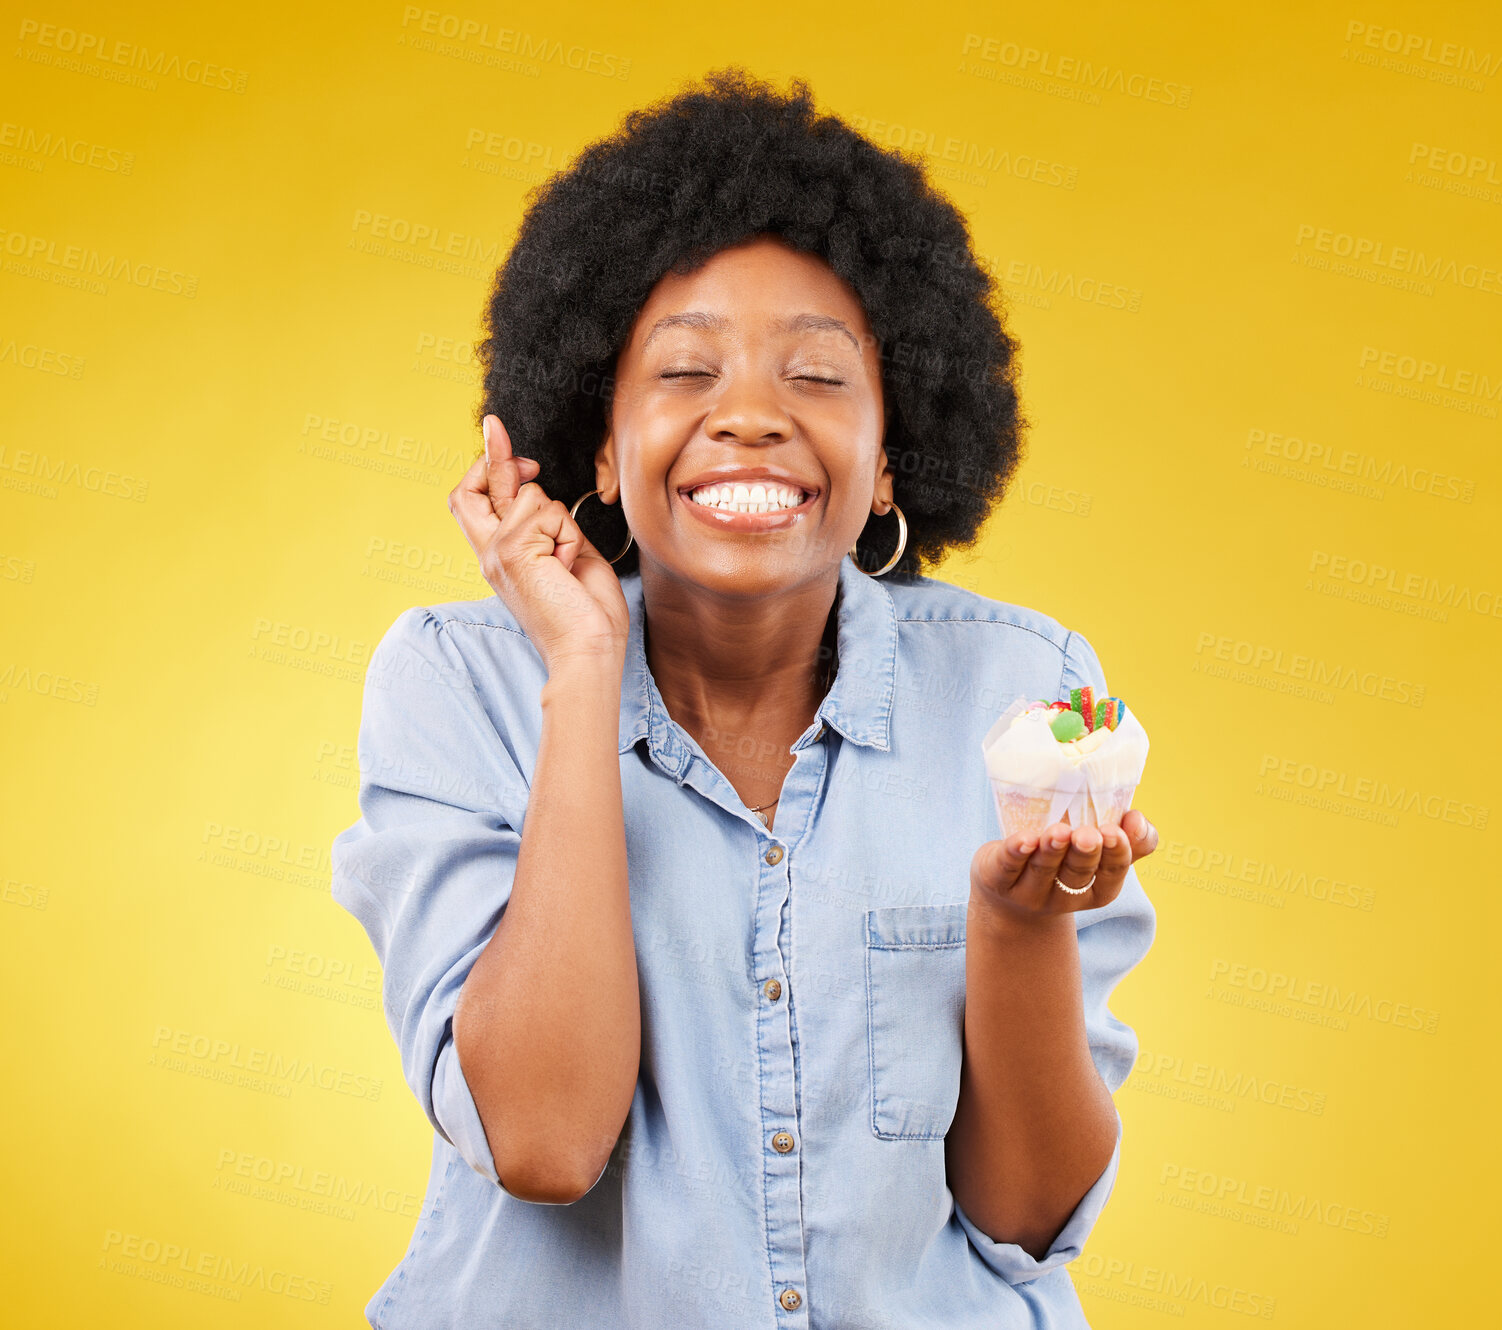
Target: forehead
[[759, 281]]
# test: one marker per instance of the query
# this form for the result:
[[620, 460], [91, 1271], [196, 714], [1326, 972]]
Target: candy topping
[[1081, 714], [1067, 725]]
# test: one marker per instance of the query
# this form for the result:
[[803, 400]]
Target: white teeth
[[760, 497]]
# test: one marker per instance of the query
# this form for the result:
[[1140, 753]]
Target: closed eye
[[705, 374]]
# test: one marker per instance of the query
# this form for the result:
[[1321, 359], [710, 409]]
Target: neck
[[740, 665]]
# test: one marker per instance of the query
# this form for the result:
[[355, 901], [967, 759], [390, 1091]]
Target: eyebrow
[[716, 323], [817, 323]]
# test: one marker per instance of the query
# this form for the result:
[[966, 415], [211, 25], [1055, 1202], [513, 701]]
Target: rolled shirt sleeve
[[1112, 940], [428, 868], [1016, 1265]]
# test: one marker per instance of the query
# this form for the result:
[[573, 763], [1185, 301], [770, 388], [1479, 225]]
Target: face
[[756, 369]]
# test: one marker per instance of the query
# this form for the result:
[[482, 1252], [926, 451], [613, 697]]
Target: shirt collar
[[858, 704]]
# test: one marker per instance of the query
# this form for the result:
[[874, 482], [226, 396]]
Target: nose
[[748, 410]]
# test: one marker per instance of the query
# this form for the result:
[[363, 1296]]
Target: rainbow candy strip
[[1083, 701]]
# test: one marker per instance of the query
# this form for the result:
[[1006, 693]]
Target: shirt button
[[774, 855], [791, 1299], [772, 989], [782, 1142]]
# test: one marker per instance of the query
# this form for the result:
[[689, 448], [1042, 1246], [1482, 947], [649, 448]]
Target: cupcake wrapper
[[1108, 807], [1026, 808], [1022, 808]]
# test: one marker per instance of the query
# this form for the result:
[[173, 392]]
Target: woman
[[725, 1007]]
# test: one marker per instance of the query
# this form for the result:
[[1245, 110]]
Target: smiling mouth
[[758, 497], [740, 513]]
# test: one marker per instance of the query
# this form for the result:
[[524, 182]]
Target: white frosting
[[1021, 749], [1072, 750]]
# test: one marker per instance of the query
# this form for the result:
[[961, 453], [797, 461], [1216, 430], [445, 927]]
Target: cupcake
[[1078, 761]]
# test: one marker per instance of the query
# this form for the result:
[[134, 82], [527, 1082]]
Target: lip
[[720, 519]]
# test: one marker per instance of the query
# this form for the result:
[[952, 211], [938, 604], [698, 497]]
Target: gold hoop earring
[[575, 509], [901, 545]]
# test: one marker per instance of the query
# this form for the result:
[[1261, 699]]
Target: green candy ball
[[1067, 725]]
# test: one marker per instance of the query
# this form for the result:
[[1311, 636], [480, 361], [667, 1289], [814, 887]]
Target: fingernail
[[485, 434], [1089, 840], [1028, 845], [1059, 844]]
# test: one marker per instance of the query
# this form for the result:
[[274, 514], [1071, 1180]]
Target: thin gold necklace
[[828, 683]]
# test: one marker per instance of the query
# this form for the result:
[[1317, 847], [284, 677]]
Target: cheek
[[649, 432], [851, 434], [648, 413], [865, 417], [850, 425], [633, 413]]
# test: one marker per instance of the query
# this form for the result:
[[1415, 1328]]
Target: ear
[[881, 502], [607, 474]]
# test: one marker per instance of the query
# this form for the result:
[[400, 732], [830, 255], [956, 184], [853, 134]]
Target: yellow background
[[189, 600]]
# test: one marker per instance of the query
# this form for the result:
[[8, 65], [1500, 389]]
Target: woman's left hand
[[1016, 875]]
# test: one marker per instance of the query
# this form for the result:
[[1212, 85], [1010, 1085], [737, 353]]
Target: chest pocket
[[915, 1018]]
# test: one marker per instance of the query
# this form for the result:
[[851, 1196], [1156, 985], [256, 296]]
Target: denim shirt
[[802, 988]]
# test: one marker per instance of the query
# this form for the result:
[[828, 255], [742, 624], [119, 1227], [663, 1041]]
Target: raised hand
[[562, 591]]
